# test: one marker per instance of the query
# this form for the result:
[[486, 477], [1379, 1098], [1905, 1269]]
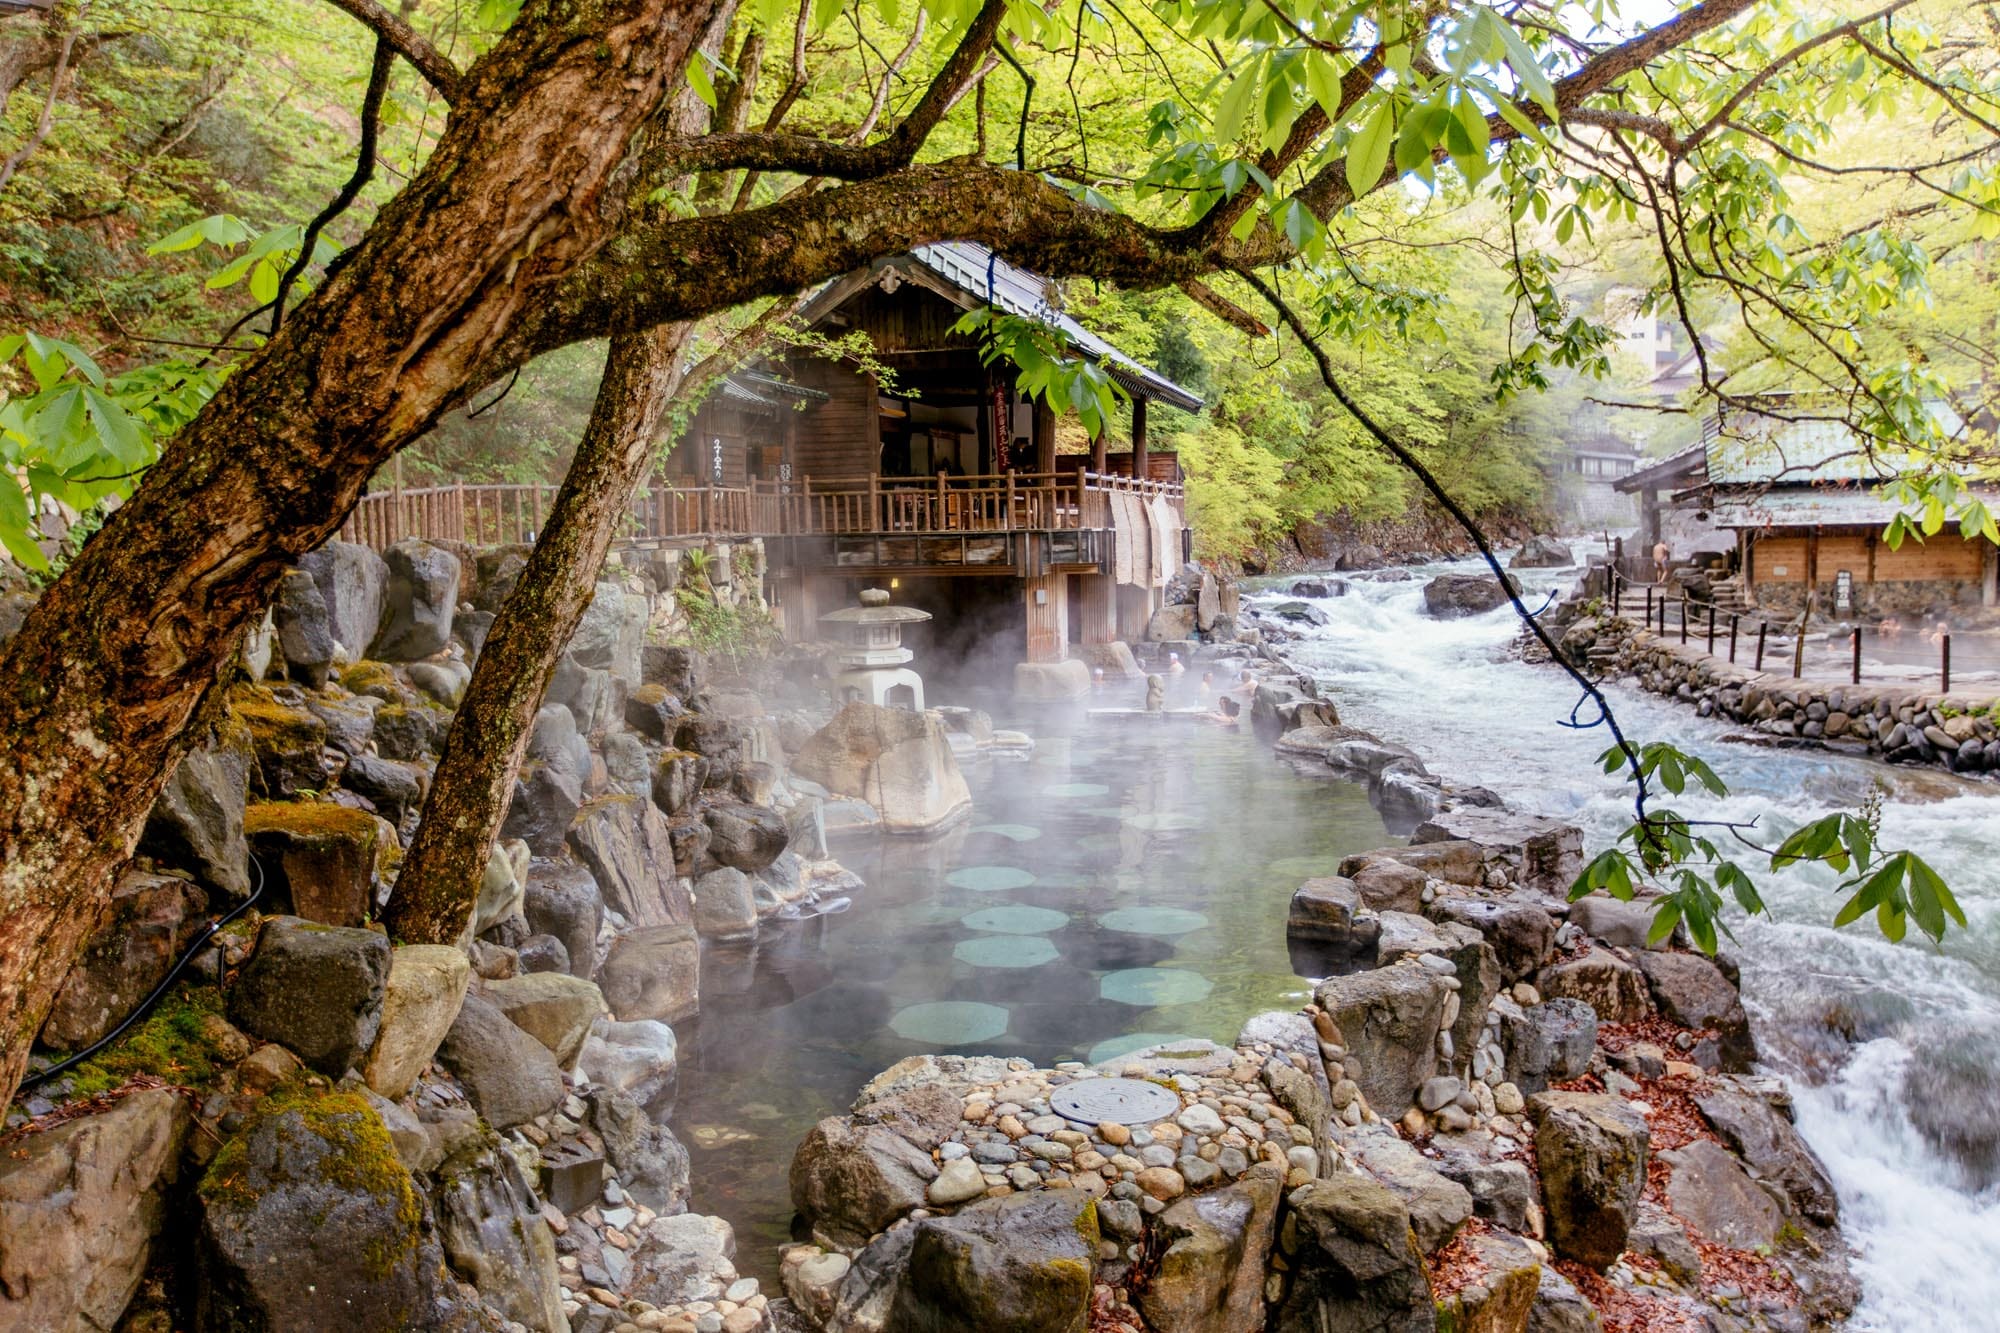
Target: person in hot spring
[[1097, 678], [1225, 713], [1939, 632], [1207, 681], [1174, 667], [1246, 684]]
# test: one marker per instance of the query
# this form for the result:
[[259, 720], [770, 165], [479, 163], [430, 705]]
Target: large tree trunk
[[97, 688], [440, 879]]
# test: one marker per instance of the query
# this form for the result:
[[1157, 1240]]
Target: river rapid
[[1892, 1050]]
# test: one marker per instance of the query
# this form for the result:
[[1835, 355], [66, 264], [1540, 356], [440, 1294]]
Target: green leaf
[[697, 77], [1229, 112], [121, 435], [1368, 153], [1664, 920], [1521, 59], [1323, 76]]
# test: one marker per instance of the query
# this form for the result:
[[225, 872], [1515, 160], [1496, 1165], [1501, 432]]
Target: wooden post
[[1711, 628], [1684, 620], [1944, 666], [1763, 629], [1854, 673], [1139, 454], [1099, 454], [1007, 520], [536, 493], [938, 521], [874, 500], [1649, 606], [1799, 650], [1732, 637]]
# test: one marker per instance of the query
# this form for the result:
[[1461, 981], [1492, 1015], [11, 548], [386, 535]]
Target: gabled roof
[[970, 275], [1675, 471], [754, 389]]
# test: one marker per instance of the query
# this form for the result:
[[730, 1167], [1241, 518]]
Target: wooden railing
[[837, 506]]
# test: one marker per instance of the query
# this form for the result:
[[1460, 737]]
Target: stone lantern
[[872, 654]]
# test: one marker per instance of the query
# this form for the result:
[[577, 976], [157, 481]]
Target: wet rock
[[653, 711], [1455, 861], [1450, 596], [1503, 1192], [1499, 1299], [495, 1237], [391, 786], [197, 822], [1559, 1307], [1773, 1150], [681, 1259], [1298, 613], [1612, 987], [309, 1221], [500, 890], [1592, 1153], [628, 846], [510, 1077], [552, 1007], [351, 580], [542, 953], [149, 921], [745, 837], [1438, 1205], [1355, 1263], [668, 666], [417, 602], [421, 998], [1390, 886], [1542, 553], [1211, 1279], [318, 859], [561, 899], [678, 779], [653, 972], [315, 990], [1548, 1043], [80, 1204], [852, 1180], [612, 632], [1625, 924], [1391, 1018], [898, 761], [1328, 911], [1020, 1264], [1712, 1192], [1541, 854], [305, 632], [652, 1164], [1693, 992]]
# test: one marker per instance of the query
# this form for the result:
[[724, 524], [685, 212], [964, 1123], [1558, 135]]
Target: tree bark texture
[[440, 879], [97, 688]]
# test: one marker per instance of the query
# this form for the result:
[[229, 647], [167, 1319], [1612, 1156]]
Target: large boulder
[[898, 761], [1172, 624], [318, 858], [744, 836], [549, 789], [1521, 933], [150, 920], [420, 1000], [1591, 1149], [1501, 1290], [1710, 1191], [315, 990], [1355, 1263], [681, 1259], [1024, 1263], [554, 1008], [1328, 911], [653, 972], [1612, 987], [1390, 1018], [725, 905], [852, 1180], [197, 822], [287, 740], [678, 779], [510, 1077], [1542, 553], [309, 1221], [1771, 1147], [1211, 1277], [1536, 852], [1438, 1205], [79, 1207], [612, 633], [561, 899], [628, 846], [1692, 991], [495, 1237], [305, 632], [351, 582], [393, 787], [1452, 595], [418, 602], [639, 1059]]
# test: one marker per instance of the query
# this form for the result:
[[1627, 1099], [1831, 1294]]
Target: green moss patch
[[311, 821], [175, 1043]]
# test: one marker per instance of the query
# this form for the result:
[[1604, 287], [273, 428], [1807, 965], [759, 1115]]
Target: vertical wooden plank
[[1139, 443]]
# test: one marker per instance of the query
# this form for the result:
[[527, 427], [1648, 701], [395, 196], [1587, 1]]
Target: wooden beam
[[1139, 439], [1045, 437]]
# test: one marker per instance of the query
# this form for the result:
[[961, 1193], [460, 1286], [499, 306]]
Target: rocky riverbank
[[1960, 731], [316, 1125]]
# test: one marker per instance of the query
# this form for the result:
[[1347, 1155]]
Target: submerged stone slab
[[1128, 1101]]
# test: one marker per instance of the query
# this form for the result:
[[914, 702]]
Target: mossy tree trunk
[[439, 883]]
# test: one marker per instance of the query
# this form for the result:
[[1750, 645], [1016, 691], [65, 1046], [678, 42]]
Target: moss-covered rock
[[197, 822], [309, 1221], [319, 859], [316, 990], [287, 740]]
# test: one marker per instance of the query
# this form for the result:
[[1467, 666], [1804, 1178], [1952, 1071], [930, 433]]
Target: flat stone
[[1118, 1101]]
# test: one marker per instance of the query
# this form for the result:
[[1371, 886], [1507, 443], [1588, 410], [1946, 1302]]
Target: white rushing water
[[1864, 1029]]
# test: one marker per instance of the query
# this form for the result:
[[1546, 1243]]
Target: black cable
[[214, 926]]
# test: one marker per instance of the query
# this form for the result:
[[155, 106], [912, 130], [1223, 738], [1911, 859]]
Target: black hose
[[208, 934]]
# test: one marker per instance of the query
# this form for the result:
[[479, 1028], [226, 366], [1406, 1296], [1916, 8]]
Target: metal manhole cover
[[1128, 1101]]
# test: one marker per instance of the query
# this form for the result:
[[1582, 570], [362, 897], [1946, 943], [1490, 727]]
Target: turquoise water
[[1126, 885]]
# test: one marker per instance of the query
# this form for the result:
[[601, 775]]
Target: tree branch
[[408, 43]]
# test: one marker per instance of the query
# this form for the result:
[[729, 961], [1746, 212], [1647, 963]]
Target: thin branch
[[47, 118], [408, 43]]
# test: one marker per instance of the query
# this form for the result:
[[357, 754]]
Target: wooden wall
[[841, 437], [1048, 617], [1944, 558]]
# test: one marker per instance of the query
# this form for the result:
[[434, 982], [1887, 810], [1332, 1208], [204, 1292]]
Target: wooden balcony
[[906, 521]]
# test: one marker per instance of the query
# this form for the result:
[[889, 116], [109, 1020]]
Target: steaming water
[[1126, 886], [1924, 1021]]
